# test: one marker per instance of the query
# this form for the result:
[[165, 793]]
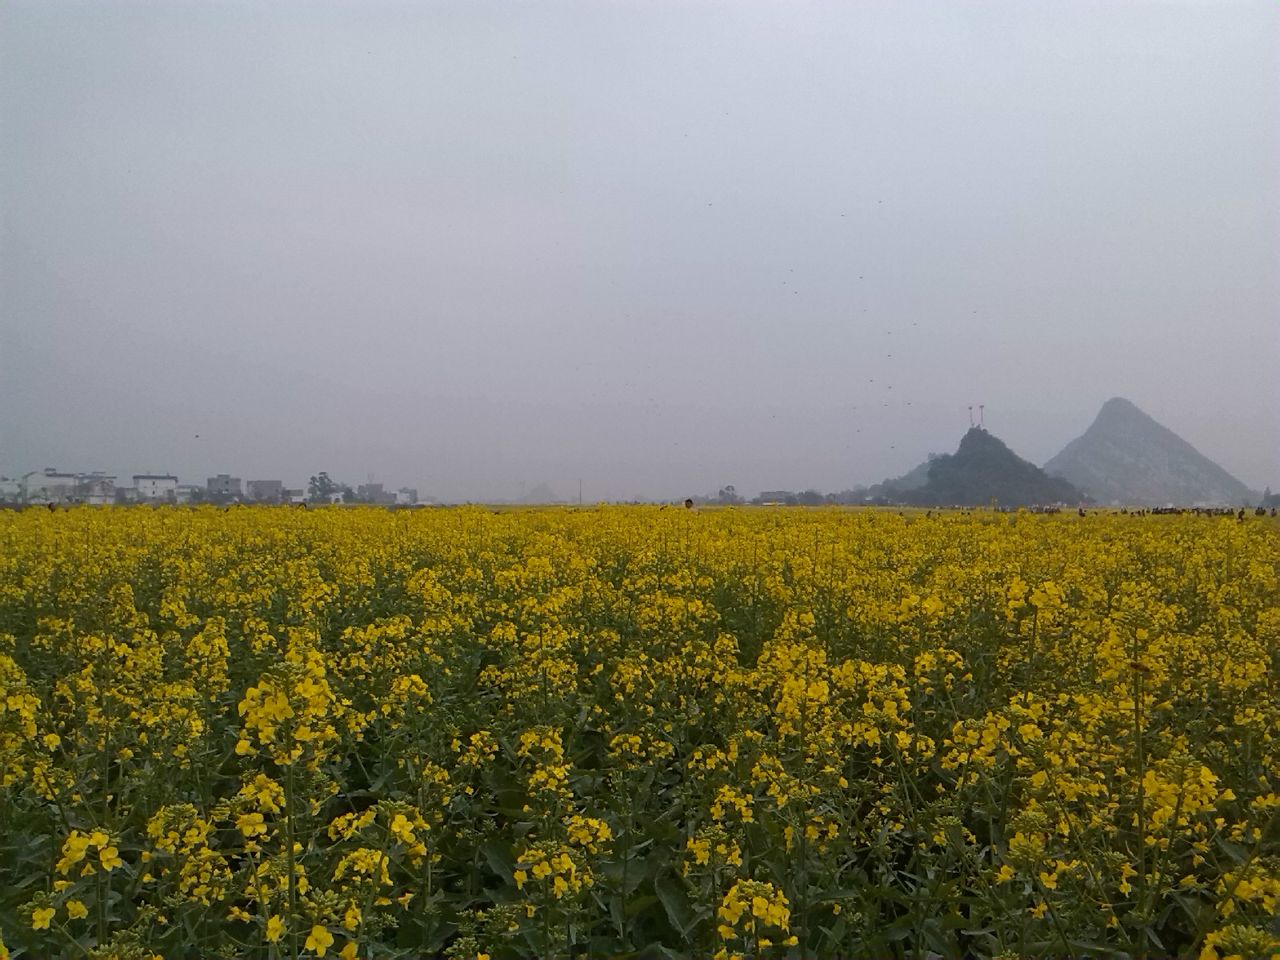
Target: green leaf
[[638, 905], [674, 901], [497, 854]]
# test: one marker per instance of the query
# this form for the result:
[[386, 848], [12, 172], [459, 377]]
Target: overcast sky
[[657, 246]]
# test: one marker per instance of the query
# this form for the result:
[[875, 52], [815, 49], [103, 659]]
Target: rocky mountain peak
[[1127, 457]]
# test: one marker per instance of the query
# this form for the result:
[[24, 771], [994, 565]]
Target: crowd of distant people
[[1197, 511]]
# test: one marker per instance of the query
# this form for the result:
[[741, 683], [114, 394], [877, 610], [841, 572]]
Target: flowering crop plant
[[633, 731]]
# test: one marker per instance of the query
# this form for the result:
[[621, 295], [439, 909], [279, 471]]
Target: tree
[[320, 489], [728, 496]]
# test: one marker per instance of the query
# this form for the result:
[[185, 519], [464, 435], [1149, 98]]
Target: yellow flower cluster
[[77, 846], [474, 732], [754, 912], [560, 870]]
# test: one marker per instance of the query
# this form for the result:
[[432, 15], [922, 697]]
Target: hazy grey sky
[[658, 246]]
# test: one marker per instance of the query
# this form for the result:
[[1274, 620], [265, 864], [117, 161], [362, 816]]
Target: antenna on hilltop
[[982, 418], [971, 416]]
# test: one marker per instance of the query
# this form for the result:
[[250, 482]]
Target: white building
[[190, 492], [96, 488], [52, 486], [156, 487]]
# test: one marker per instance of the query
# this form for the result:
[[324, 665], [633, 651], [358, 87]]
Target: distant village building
[[190, 493], [406, 497], [10, 490], [52, 486], [374, 493], [97, 489], [55, 486], [156, 487], [292, 495], [265, 491], [223, 487], [776, 498]]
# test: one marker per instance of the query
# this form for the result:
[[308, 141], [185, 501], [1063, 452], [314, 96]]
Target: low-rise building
[[776, 498], [190, 493], [55, 486], [406, 496], [52, 486], [156, 487], [374, 493], [265, 491], [223, 487], [97, 488]]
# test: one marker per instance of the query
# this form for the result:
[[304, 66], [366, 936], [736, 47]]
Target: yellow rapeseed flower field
[[637, 731]]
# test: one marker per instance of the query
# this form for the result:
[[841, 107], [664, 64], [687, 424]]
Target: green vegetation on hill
[[896, 488], [984, 469]]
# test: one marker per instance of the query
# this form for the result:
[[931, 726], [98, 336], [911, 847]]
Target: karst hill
[[1126, 457], [983, 469]]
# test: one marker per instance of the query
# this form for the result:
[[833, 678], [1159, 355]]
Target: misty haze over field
[[660, 247]]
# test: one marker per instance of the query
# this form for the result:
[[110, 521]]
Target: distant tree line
[[728, 496]]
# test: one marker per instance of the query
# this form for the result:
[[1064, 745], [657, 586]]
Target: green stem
[[289, 857]]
